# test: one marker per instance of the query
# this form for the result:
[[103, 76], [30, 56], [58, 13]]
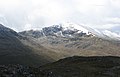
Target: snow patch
[[111, 34], [73, 26]]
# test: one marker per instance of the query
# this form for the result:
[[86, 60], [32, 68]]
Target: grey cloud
[[34, 14]]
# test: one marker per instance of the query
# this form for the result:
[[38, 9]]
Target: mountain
[[52, 43], [14, 51], [51, 48], [70, 39]]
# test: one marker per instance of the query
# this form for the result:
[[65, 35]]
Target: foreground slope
[[13, 51], [76, 66]]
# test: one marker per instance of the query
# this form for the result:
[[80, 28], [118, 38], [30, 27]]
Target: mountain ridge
[[70, 41], [66, 30], [70, 29]]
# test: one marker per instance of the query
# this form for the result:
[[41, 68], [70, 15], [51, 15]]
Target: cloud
[[32, 14], [115, 29], [114, 20]]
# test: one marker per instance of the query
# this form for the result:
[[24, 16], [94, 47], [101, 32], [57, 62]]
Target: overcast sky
[[34, 14]]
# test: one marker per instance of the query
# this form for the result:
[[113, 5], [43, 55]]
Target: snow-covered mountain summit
[[73, 26], [71, 30], [62, 30]]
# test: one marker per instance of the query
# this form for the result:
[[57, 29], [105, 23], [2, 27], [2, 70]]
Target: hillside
[[75, 66], [69, 39], [13, 51], [78, 66]]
